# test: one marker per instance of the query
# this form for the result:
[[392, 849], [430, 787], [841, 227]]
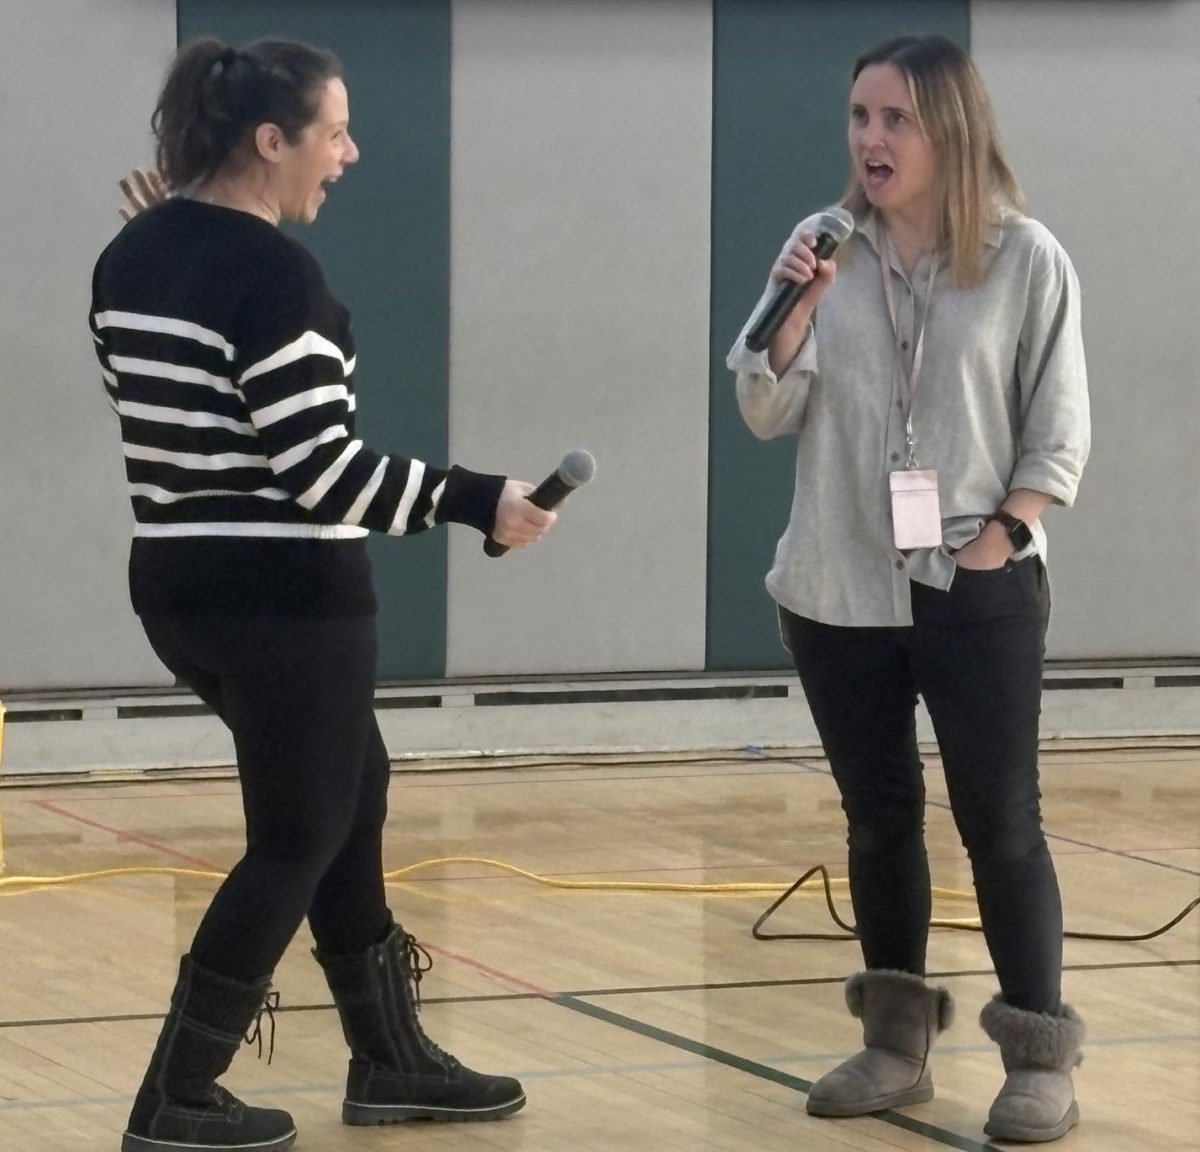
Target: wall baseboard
[[428, 724]]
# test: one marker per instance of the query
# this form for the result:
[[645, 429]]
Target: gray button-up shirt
[[1001, 403]]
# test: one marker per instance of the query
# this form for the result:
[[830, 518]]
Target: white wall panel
[[581, 175], [1097, 103], [78, 81]]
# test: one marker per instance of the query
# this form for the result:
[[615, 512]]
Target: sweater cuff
[[470, 498]]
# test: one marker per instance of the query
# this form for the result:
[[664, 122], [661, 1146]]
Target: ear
[[270, 142]]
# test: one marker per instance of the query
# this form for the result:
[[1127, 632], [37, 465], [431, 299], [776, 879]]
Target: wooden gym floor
[[638, 1021]]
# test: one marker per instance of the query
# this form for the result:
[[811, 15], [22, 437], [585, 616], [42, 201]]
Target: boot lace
[[222, 1100], [416, 961], [254, 1034]]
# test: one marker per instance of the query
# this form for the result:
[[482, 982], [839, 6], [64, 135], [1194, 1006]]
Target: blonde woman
[[935, 383]]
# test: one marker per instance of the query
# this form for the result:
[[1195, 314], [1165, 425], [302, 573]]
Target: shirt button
[[900, 564], [904, 345], [895, 457]]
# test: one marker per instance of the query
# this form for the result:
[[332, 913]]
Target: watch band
[[1018, 531]]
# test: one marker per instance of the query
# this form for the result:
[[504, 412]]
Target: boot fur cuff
[[897, 983], [1034, 1039]]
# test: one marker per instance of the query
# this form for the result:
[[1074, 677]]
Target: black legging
[[975, 656], [297, 695]]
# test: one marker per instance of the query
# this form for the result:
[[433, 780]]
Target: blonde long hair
[[973, 179]]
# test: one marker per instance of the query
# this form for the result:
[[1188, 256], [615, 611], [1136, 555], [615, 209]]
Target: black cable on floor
[[849, 932]]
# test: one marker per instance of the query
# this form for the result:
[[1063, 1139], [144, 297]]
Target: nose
[[351, 154], [863, 137], [873, 135]]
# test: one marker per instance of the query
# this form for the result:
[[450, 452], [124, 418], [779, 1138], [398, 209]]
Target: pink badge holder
[[916, 510]]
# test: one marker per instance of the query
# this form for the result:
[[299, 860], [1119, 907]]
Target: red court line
[[123, 836], [495, 973]]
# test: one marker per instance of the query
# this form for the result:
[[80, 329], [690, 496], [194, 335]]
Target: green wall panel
[[383, 239], [780, 92]]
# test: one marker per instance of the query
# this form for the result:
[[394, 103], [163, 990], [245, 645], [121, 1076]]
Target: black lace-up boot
[[179, 1106], [396, 1072]]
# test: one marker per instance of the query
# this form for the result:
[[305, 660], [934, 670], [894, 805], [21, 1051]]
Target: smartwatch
[[1018, 531]]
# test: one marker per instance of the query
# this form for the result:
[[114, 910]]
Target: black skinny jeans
[[297, 694], [975, 656]]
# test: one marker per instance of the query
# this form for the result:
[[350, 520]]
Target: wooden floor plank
[[637, 1021]]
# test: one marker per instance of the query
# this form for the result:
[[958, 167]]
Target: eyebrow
[[855, 107]]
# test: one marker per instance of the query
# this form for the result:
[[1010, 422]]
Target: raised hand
[[142, 189]]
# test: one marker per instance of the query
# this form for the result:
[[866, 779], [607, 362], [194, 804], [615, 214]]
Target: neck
[[911, 233], [227, 192], [913, 225]]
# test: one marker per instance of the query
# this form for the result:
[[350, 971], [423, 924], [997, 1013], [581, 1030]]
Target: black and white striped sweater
[[230, 366]]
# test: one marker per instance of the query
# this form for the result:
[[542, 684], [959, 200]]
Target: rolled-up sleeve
[[772, 406], [1056, 421]]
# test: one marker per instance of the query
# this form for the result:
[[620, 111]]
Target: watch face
[[1021, 535]]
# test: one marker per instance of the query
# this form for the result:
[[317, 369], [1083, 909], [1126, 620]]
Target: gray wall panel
[[580, 261], [579, 316], [1098, 108], [78, 80]]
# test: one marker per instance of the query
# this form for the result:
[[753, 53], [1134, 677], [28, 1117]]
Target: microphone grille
[[578, 467], [838, 223]]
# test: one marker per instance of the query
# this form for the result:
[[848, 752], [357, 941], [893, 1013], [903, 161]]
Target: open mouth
[[877, 174]]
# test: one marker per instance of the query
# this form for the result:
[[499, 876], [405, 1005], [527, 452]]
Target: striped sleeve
[[298, 394], [107, 376]]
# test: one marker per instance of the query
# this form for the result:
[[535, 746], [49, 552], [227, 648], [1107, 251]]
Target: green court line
[[632, 990], [762, 1071]]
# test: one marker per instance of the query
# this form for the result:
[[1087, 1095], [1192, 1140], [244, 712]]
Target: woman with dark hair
[[230, 366], [938, 394]]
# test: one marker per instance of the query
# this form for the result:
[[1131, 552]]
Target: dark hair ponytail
[[215, 96]]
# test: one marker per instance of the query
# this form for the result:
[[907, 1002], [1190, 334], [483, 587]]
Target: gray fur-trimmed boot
[[1037, 1102], [902, 1016]]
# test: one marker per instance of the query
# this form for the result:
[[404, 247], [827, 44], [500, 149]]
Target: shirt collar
[[993, 237]]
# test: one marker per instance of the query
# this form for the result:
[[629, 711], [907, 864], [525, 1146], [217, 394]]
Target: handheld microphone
[[577, 468], [833, 228]]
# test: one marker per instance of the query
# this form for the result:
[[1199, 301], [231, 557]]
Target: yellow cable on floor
[[1, 765], [952, 894], [633, 885], [102, 874], [732, 888], [587, 885]]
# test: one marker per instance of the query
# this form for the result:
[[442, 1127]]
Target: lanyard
[[908, 379]]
